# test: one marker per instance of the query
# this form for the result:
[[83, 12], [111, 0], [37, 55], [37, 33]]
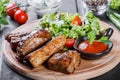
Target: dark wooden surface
[[70, 6]]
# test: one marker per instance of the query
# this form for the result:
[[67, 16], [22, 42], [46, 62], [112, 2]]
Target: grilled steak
[[32, 41], [15, 38], [39, 56], [65, 62]]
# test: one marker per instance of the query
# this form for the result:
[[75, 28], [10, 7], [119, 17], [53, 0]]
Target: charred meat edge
[[65, 62], [32, 41], [39, 56]]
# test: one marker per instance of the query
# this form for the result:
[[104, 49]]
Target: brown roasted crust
[[32, 41], [15, 38], [39, 56], [11, 36], [65, 62]]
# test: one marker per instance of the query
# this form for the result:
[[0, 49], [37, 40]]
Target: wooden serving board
[[88, 68]]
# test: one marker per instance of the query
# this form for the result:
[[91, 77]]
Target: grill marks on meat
[[39, 56], [65, 62], [32, 41], [15, 38], [23, 43]]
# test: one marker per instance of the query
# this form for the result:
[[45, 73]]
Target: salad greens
[[60, 24], [114, 4], [2, 12]]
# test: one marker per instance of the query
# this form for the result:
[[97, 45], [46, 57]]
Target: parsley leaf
[[104, 39], [91, 36]]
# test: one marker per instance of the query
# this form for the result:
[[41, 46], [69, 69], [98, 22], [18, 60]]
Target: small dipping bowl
[[92, 56]]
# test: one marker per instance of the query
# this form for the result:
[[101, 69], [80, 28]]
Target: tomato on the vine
[[76, 20], [11, 9], [69, 42], [20, 16]]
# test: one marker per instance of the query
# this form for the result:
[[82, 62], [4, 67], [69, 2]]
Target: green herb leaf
[[104, 39], [2, 12], [91, 36], [3, 21]]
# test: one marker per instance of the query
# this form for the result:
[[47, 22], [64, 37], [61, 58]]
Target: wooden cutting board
[[88, 68]]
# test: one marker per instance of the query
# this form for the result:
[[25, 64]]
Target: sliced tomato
[[11, 9], [69, 42], [76, 20]]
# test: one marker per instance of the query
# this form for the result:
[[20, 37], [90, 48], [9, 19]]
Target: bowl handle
[[108, 32]]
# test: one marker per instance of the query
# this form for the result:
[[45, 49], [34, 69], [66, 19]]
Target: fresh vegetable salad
[[66, 24], [72, 26]]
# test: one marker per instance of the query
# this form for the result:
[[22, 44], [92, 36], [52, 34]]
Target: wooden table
[[70, 6]]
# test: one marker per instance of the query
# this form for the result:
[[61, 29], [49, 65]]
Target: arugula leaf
[[104, 39], [91, 36]]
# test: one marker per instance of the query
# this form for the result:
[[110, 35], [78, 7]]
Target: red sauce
[[93, 48]]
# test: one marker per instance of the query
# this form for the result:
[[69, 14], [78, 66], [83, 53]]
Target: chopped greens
[[60, 24]]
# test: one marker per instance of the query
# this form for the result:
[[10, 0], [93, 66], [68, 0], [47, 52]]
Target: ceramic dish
[[86, 55]]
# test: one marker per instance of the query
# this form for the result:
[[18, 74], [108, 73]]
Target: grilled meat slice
[[39, 56], [11, 36], [65, 62], [15, 38], [32, 41]]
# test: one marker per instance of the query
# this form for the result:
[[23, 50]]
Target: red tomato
[[69, 43], [11, 9], [76, 20], [20, 16]]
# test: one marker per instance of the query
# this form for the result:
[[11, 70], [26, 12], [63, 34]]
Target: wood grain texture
[[88, 68]]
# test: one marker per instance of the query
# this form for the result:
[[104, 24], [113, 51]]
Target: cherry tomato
[[69, 42], [20, 16], [11, 9], [76, 20]]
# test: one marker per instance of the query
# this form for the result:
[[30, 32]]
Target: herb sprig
[[91, 37], [2, 12]]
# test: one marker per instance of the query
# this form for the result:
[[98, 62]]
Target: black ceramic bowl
[[90, 56]]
